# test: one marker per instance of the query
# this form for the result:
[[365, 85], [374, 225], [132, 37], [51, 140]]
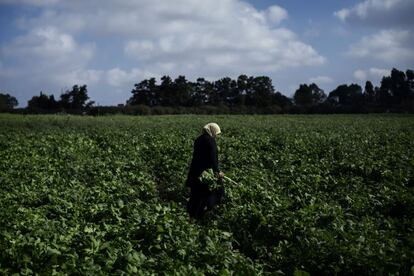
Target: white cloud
[[388, 13], [48, 57], [193, 35], [363, 9], [342, 14], [240, 39], [360, 75], [321, 80], [387, 45], [392, 42], [144, 48], [43, 41], [276, 14], [377, 72], [371, 73], [48, 44], [79, 76], [120, 78], [67, 41], [205, 53]]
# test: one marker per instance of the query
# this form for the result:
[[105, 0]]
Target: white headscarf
[[212, 129]]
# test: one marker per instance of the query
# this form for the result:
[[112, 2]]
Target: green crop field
[[322, 195]]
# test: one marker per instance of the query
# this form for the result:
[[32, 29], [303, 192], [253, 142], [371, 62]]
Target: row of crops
[[96, 196]]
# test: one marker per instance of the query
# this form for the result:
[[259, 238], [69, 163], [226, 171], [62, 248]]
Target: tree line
[[72, 101], [246, 94]]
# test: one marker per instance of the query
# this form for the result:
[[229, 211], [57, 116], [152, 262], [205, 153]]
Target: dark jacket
[[204, 157]]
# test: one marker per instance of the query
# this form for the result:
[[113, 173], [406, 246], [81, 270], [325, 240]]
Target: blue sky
[[50, 45]]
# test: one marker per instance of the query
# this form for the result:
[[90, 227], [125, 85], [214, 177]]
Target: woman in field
[[205, 156]]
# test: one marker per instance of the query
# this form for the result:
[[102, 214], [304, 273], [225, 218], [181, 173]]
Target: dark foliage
[[7, 102], [245, 91], [244, 95], [43, 103], [72, 101], [309, 95]]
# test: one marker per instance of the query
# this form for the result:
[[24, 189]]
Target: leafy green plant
[[106, 195]]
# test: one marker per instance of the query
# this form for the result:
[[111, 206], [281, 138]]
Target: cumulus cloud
[[387, 45], [392, 42], [238, 39], [207, 53], [389, 13], [321, 80], [47, 55], [223, 36], [47, 43], [121, 78], [70, 40], [276, 14]]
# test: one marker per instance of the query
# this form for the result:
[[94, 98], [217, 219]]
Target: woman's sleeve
[[214, 155]]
